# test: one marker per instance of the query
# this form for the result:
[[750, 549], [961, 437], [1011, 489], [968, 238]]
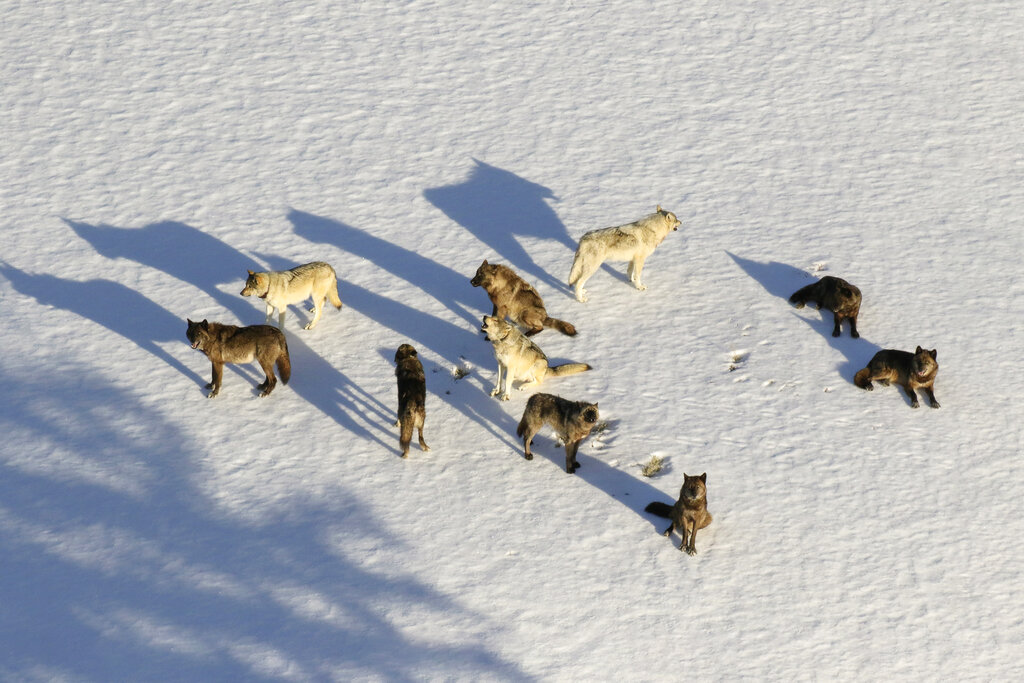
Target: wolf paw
[[309, 326], [691, 551], [398, 423], [494, 391], [935, 404], [581, 296], [505, 396], [213, 393]]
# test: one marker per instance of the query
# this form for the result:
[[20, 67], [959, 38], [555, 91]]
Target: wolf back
[[514, 298], [412, 396], [281, 288], [836, 295], [232, 344], [571, 420]]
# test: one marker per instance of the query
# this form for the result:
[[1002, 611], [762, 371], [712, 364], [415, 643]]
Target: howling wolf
[[514, 298], [519, 358]]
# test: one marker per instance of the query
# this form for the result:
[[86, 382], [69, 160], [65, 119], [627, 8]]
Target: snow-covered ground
[[154, 151]]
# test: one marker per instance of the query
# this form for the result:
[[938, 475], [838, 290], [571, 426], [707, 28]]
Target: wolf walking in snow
[[281, 288], [571, 420], [232, 344]]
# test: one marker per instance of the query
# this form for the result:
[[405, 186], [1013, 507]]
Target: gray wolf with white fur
[[519, 358], [281, 288]]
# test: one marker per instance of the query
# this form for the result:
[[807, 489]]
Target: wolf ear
[[658, 210], [250, 272], [205, 324], [484, 263], [934, 353], [918, 350], [188, 320], [704, 477]]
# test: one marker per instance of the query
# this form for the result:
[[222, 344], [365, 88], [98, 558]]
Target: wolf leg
[[318, 307], [836, 331], [267, 386], [570, 457], [853, 328], [636, 267], [218, 375], [498, 382], [423, 444], [931, 397], [691, 545], [668, 532], [914, 403], [280, 317], [270, 314]]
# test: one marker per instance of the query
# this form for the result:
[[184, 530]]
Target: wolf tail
[[861, 379], [800, 295], [560, 325], [521, 427], [405, 438], [660, 509], [332, 295], [284, 365], [568, 369], [577, 266]]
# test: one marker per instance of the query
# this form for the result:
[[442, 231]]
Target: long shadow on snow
[[781, 280], [117, 568], [447, 286], [120, 309], [496, 206], [181, 251]]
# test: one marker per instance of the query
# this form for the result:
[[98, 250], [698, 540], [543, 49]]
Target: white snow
[[154, 151]]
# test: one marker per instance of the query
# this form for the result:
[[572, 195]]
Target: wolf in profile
[[911, 371], [834, 294], [571, 420], [514, 298], [633, 242], [232, 344], [281, 288], [688, 514], [519, 358], [412, 396]]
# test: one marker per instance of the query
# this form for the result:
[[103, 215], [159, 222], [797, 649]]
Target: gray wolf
[[688, 514], [633, 242], [834, 294], [519, 358], [281, 288], [571, 420], [412, 396], [911, 371], [232, 344], [514, 298]]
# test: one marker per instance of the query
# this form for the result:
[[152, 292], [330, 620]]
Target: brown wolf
[[688, 514], [834, 294], [518, 357], [232, 344], [281, 288], [514, 298], [633, 242], [911, 371], [572, 420], [412, 396]]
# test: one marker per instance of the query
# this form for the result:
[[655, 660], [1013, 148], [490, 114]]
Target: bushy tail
[[568, 369], [405, 438], [284, 365], [861, 379], [560, 325], [521, 428], [659, 508], [577, 267], [332, 295]]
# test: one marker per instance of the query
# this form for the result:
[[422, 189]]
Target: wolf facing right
[[689, 513], [911, 371], [834, 294], [571, 420]]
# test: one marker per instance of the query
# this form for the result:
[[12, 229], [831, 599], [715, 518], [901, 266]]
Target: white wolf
[[520, 358], [633, 242], [280, 288]]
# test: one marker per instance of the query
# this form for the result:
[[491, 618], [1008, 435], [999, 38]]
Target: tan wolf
[[281, 288], [911, 371], [514, 298], [571, 420], [688, 514], [834, 294], [633, 242], [232, 344], [412, 396], [519, 358]]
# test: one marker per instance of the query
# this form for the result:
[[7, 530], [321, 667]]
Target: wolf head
[[590, 413], [925, 363], [256, 283], [495, 328], [483, 274], [670, 218], [405, 351], [197, 333], [694, 488]]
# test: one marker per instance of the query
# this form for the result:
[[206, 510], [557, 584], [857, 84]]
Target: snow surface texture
[[154, 151]]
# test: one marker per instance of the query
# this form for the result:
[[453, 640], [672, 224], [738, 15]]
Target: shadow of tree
[[135, 575], [497, 206]]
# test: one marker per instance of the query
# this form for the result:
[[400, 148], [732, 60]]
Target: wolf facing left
[[518, 357], [412, 396], [834, 294], [515, 298], [281, 288], [232, 344], [689, 513], [571, 420]]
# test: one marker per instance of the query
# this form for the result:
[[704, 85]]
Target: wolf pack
[[518, 314]]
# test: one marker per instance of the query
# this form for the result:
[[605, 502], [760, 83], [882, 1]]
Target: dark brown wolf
[[412, 396], [688, 514], [836, 295], [514, 298], [232, 344], [911, 371], [571, 420]]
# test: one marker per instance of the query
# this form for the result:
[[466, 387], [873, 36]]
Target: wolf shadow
[[498, 207], [782, 280]]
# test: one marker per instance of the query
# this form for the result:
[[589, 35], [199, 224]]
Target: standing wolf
[[519, 358], [911, 371], [633, 242], [834, 294], [514, 298], [688, 514], [571, 420], [281, 288], [232, 344], [412, 396]]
